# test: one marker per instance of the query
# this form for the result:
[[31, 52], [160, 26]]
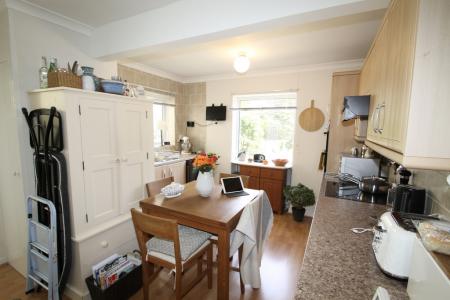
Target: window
[[264, 123], [163, 119]]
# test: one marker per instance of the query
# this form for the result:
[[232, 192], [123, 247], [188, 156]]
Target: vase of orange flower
[[205, 164]]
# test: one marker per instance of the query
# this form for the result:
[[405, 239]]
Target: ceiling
[[95, 13], [339, 39]]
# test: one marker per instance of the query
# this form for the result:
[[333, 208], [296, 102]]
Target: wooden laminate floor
[[281, 264]]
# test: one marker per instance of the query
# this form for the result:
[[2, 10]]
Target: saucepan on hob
[[368, 184]]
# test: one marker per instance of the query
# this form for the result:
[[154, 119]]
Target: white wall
[[31, 38], [308, 145]]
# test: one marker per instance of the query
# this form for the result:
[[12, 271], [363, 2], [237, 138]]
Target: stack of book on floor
[[111, 269]]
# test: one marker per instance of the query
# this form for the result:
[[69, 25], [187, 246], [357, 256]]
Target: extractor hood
[[356, 106]]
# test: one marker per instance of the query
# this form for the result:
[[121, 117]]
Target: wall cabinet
[[271, 180], [405, 75], [177, 170]]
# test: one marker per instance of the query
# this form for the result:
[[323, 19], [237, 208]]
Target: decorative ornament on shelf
[[241, 63], [205, 164]]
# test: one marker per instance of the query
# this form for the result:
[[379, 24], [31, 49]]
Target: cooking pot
[[374, 185], [369, 184]]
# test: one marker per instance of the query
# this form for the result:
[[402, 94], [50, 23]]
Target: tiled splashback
[[438, 191], [190, 99]]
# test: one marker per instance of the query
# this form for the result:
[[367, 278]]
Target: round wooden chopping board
[[311, 119]]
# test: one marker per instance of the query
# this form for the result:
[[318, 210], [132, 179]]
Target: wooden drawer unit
[[249, 171], [270, 179], [275, 174]]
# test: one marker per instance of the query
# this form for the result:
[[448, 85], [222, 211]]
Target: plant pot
[[298, 213], [205, 183]]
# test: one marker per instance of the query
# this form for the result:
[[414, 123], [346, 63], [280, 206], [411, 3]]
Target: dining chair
[[245, 178], [166, 244], [154, 187]]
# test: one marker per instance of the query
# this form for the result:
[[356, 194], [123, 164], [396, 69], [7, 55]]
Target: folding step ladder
[[42, 255]]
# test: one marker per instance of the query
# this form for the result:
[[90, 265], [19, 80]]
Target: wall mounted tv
[[216, 113]]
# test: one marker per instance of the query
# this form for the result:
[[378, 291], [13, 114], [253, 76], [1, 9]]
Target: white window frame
[[236, 98]]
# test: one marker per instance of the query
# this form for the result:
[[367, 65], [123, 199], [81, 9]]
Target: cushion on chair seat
[[190, 241]]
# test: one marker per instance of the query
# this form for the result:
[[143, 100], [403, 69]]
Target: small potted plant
[[299, 196]]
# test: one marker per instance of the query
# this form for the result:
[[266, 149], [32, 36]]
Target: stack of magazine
[[111, 269]]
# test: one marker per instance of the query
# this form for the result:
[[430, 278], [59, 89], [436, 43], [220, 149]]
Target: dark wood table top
[[217, 210]]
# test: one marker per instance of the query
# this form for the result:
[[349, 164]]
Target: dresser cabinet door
[[100, 159], [134, 147], [274, 190], [254, 173]]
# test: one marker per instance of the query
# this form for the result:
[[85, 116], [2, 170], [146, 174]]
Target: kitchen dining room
[[292, 153]]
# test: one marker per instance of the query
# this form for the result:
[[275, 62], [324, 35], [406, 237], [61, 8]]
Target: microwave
[[359, 166]]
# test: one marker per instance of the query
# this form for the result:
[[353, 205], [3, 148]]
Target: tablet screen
[[232, 184]]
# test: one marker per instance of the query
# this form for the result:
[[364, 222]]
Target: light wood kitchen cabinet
[[406, 74], [342, 133], [177, 170]]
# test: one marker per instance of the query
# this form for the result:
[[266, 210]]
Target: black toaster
[[407, 199]]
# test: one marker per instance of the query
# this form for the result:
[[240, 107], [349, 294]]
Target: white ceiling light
[[241, 63]]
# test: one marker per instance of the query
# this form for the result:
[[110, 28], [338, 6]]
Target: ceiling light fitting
[[241, 63]]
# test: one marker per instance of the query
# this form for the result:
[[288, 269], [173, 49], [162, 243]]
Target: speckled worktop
[[339, 264]]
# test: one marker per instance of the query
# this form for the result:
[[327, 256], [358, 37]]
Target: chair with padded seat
[[154, 187], [166, 244], [245, 178]]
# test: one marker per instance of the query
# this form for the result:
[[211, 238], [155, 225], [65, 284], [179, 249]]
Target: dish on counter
[[280, 162]]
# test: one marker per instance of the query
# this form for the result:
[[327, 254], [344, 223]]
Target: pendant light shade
[[241, 63]]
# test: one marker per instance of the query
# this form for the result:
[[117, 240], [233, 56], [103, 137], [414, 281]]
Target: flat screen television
[[216, 113]]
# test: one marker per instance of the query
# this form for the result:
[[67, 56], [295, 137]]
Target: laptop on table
[[233, 186]]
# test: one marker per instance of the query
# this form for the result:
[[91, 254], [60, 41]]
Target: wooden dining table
[[217, 214]]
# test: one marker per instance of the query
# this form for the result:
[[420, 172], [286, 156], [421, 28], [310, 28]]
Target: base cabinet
[[177, 170], [270, 180]]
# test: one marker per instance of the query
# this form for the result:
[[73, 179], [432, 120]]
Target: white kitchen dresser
[[109, 153]]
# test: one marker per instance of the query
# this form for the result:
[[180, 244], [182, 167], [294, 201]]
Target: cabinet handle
[[124, 159], [164, 173], [374, 118], [380, 129], [117, 160]]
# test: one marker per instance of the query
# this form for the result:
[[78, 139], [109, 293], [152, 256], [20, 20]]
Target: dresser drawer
[[274, 174], [250, 171]]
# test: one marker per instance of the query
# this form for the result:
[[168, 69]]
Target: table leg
[[223, 265]]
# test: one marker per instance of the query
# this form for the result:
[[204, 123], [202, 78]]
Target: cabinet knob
[[117, 160], [124, 159], [104, 244]]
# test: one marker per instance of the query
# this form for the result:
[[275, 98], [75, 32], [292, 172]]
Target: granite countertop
[[339, 264]]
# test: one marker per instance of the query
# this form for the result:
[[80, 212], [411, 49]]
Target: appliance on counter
[[185, 145], [350, 191], [407, 199], [216, 113], [259, 157], [359, 166], [426, 276], [393, 242]]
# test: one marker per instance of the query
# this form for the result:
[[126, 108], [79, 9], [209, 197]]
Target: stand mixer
[[185, 145]]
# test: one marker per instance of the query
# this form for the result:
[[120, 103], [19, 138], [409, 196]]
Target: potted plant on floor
[[299, 196]]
